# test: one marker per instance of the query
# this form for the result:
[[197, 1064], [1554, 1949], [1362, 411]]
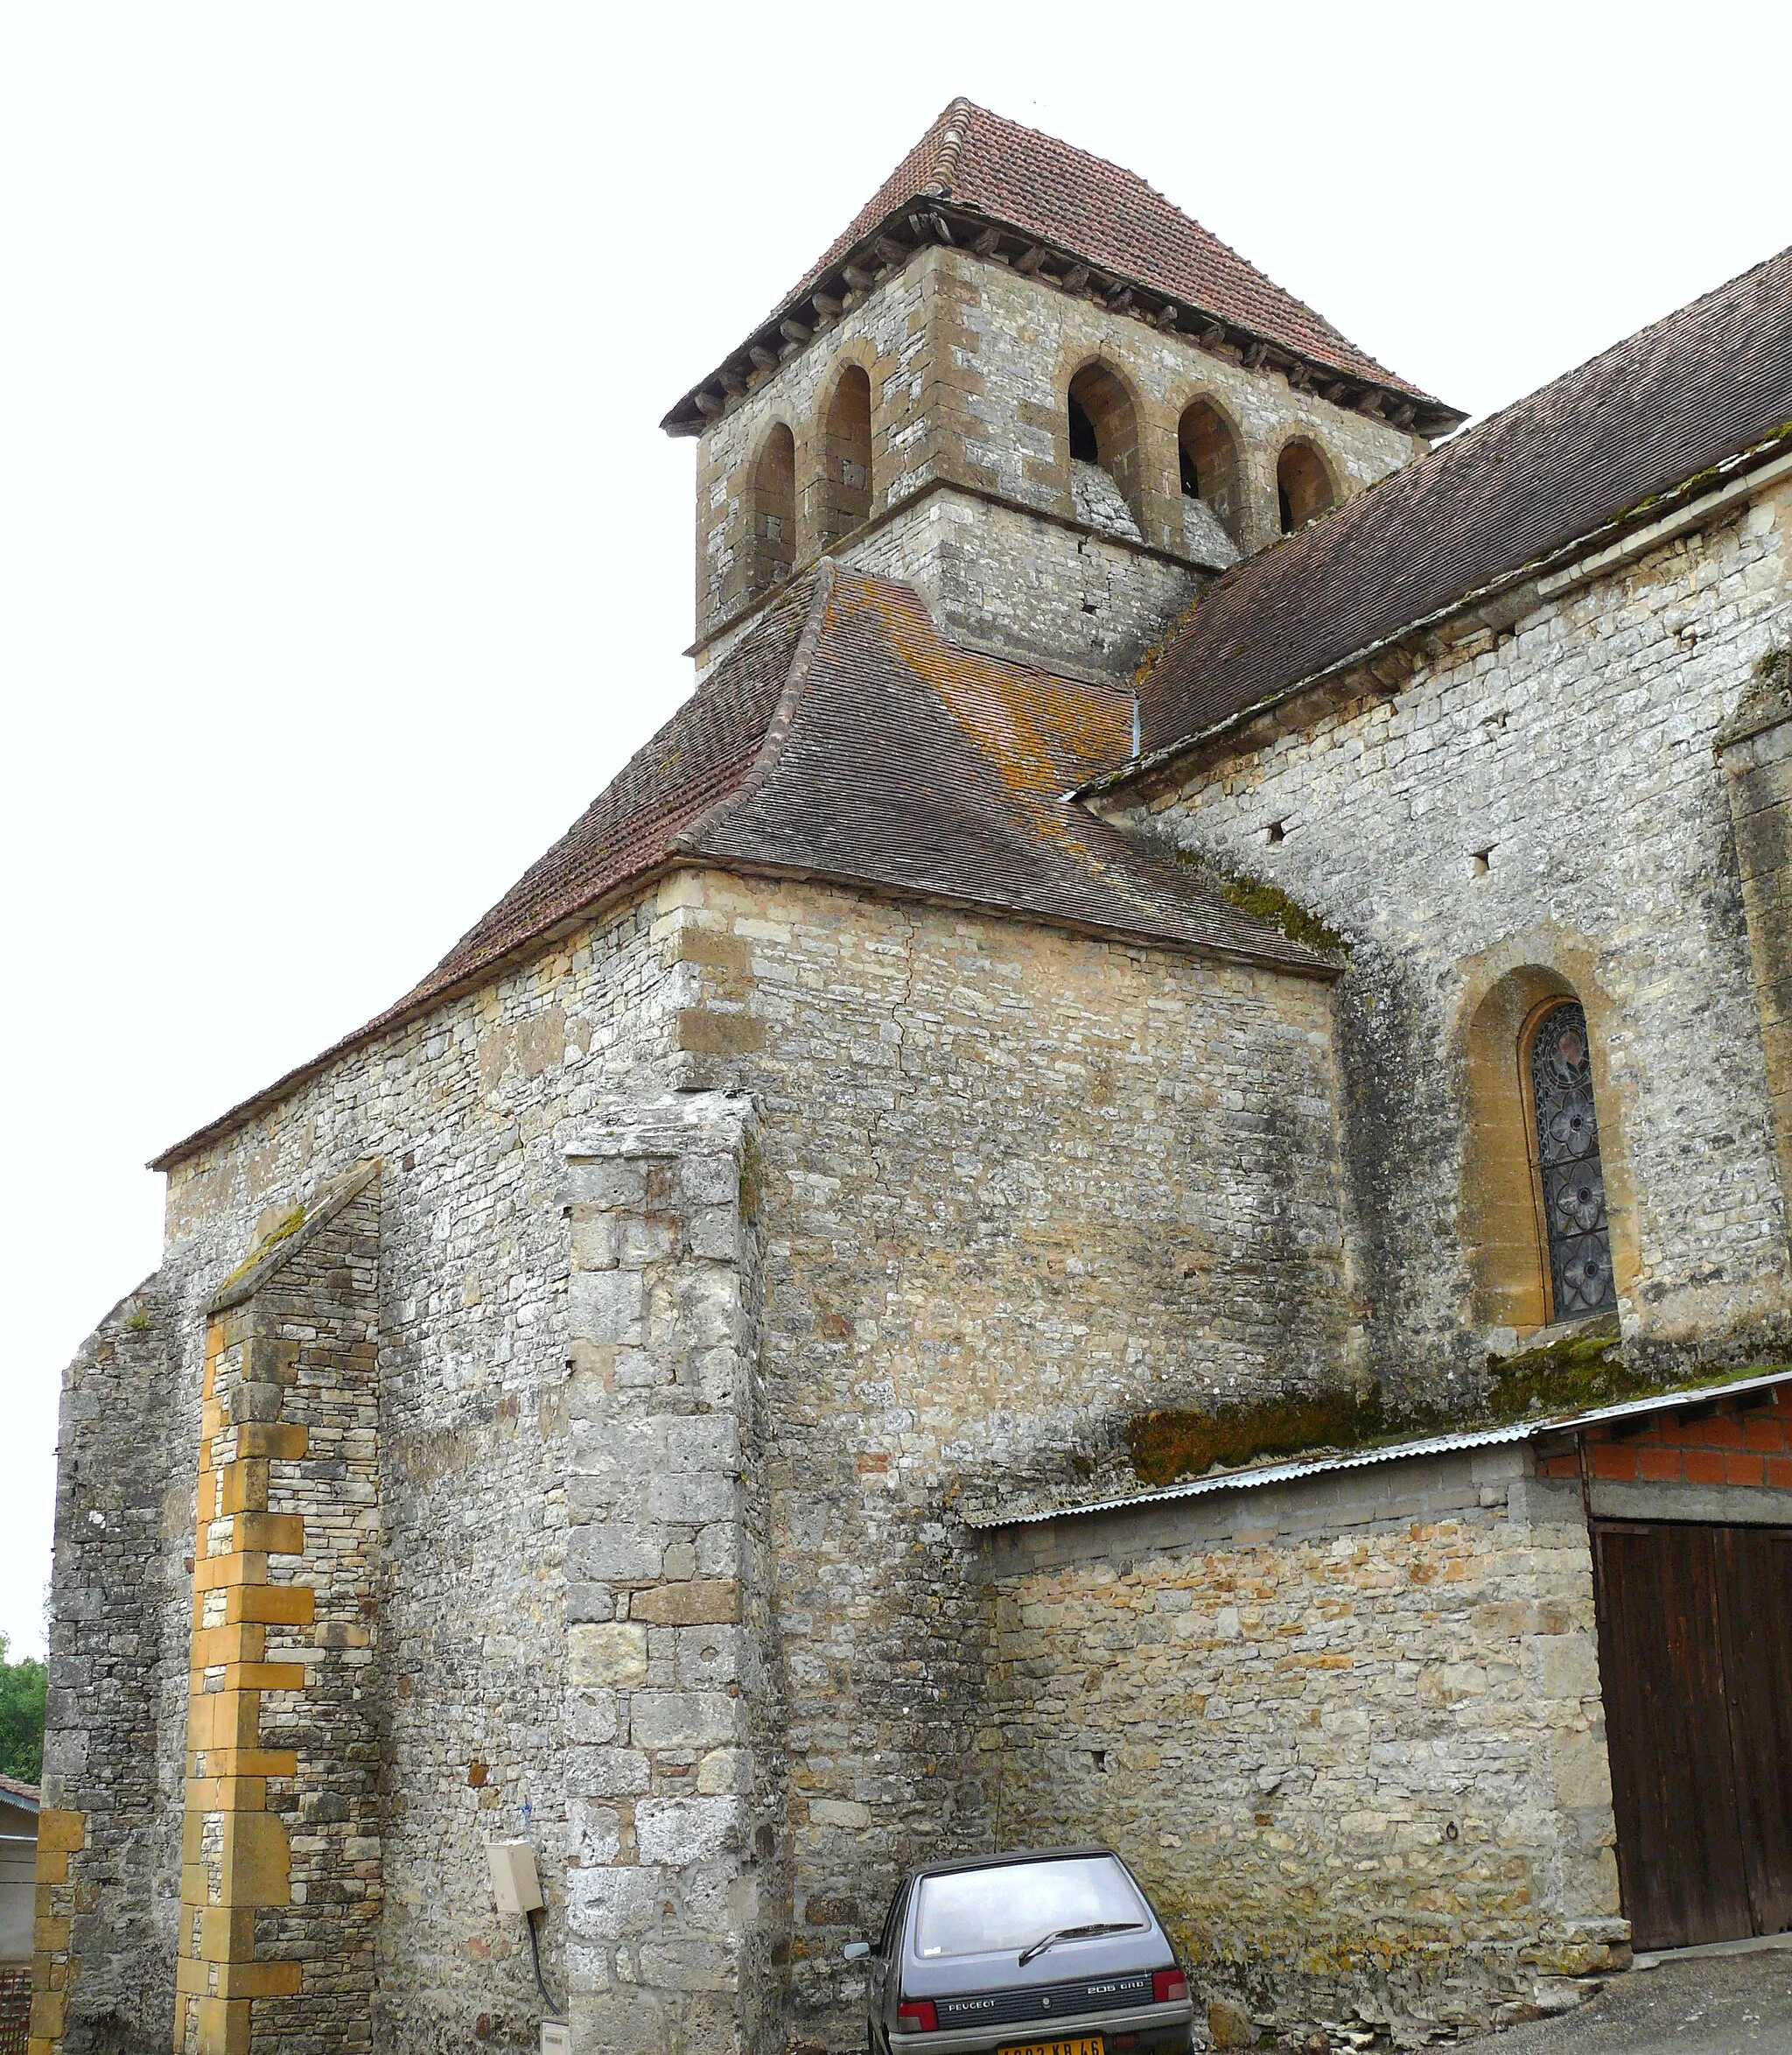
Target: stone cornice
[[921, 224]]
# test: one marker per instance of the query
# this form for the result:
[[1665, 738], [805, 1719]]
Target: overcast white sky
[[341, 561]]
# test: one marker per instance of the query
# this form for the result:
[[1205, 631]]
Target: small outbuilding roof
[[24, 1794], [1255, 1477]]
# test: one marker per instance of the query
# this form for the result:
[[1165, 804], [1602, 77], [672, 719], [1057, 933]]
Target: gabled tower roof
[[1090, 225]]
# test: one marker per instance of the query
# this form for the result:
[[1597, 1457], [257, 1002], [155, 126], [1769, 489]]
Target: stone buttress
[[679, 1889], [1756, 749], [280, 1882]]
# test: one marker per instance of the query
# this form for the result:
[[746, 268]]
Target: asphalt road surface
[[1712, 2005]]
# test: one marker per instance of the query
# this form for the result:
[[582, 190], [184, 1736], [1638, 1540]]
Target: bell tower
[[1025, 384]]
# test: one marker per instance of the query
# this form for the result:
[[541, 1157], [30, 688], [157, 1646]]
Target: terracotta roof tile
[[921, 768], [843, 738], [1101, 211], [1658, 408], [1031, 182]]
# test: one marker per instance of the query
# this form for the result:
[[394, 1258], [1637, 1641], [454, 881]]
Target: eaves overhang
[[818, 303]]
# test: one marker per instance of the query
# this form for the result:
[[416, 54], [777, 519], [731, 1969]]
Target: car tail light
[[1123, 2041], [916, 2016], [1169, 1987]]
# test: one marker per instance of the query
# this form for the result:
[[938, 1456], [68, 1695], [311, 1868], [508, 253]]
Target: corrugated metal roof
[[1251, 1479]]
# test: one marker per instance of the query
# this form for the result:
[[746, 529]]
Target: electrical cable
[[534, 1949]]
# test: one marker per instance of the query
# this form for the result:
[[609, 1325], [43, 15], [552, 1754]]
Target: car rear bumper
[[1161, 2028]]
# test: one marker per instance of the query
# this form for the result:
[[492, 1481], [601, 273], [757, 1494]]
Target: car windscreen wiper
[[1079, 1933]]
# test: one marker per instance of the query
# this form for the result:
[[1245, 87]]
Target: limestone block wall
[[1537, 810], [281, 1878], [109, 1836], [1019, 1187], [1756, 749], [1021, 587], [1348, 1731], [970, 364], [472, 1371], [677, 1893]]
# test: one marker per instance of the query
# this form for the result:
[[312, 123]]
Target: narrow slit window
[[1568, 1160]]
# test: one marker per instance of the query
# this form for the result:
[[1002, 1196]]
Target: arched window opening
[[1104, 454], [1303, 486], [1084, 449], [774, 510], [846, 481], [1208, 456], [1568, 1163]]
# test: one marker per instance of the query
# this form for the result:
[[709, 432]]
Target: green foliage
[[22, 1691]]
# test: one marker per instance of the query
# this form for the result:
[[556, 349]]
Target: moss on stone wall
[[1270, 903], [288, 1227], [1575, 1374], [1180, 1444], [1581, 1370]]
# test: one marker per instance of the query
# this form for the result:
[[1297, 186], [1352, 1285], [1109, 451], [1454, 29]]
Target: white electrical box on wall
[[556, 2037], [515, 1884]]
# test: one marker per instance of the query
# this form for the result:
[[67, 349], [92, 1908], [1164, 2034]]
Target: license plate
[[1091, 2044]]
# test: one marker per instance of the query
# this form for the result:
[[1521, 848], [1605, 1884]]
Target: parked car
[[1037, 1952]]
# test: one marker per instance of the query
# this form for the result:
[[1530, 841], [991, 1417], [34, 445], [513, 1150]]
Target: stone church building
[[1133, 1185]]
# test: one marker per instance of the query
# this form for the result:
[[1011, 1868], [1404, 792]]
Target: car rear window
[[1012, 1905]]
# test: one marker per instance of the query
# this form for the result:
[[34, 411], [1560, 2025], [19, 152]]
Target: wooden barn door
[[1696, 1661]]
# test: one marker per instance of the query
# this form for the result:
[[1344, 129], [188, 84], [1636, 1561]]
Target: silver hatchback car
[[1037, 1952]]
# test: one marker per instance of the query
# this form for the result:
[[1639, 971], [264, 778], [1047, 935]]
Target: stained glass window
[[1568, 1153]]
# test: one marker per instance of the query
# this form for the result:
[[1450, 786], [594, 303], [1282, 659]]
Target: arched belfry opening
[[773, 510], [1207, 456], [1105, 469], [1303, 485], [1571, 1175], [846, 456]]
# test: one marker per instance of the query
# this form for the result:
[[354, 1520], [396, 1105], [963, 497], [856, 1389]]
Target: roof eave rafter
[[918, 223]]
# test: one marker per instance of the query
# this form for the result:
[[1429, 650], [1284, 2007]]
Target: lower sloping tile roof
[[917, 766], [1638, 421], [843, 739]]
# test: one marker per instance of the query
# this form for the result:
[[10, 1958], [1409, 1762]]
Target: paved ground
[[1712, 2005]]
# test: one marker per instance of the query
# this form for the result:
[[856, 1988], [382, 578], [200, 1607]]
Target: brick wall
[[1746, 1441]]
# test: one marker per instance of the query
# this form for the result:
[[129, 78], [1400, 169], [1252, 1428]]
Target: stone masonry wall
[[678, 1892], [1011, 1189], [109, 1836], [1540, 803], [462, 1107], [1756, 749], [280, 1874], [1348, 1730], [970, 364], [1018, 1189]]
